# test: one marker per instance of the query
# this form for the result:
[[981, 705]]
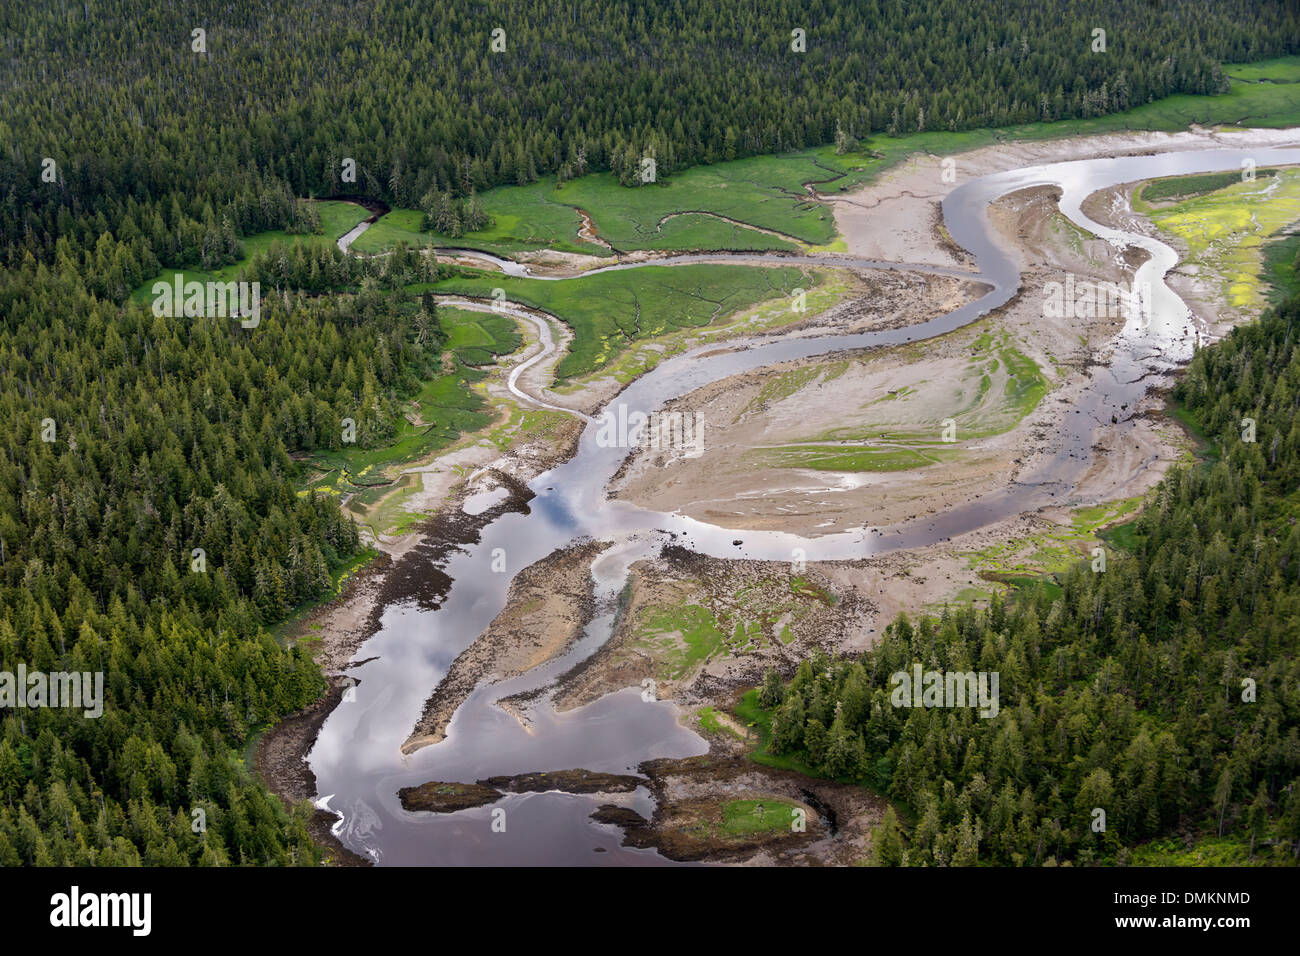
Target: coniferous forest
[[137, 444], [188, 147], [1165, 689]]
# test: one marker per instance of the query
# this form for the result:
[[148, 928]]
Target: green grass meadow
[[611, 310]]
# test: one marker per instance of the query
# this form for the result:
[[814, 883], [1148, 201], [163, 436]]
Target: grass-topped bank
[[610, 311], [1229, 226], [764, 202], [445, 407], [758, 203]]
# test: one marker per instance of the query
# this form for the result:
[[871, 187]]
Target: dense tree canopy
[[1132, 690], [141, 126], [135, 440]]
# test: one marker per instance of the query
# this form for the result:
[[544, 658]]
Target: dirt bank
[[438, 796], [333, 632], [898, 217], [692, 796], [548, 605], [567, 781], [678, 627], [820, 445], [279, 760]]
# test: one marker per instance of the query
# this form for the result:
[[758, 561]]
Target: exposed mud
[[417, 576], [757, 411], [587, 231], [567, 781], [884, 409], [691, 794], [786, 613], [549, 604], [438, 796], [280, 761]]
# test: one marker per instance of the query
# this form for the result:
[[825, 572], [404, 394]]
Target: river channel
[[357, 758]]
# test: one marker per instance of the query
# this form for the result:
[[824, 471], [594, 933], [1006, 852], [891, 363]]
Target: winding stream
[[544, 339], [357, 758]]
